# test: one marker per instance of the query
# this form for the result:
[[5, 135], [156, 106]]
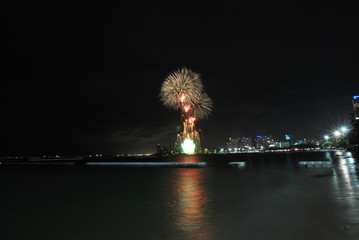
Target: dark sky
[[85, 78]]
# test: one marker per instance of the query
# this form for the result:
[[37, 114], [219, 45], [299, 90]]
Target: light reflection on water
[[191, 201], [346, 186]]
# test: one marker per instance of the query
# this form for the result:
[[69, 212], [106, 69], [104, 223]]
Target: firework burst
[[202, 107], [184, 88]]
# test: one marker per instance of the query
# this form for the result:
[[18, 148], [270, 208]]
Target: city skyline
[[84, 78]]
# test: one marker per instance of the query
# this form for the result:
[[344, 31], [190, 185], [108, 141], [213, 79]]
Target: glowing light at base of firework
[[188, 146]]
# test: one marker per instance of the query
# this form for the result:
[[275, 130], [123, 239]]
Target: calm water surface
[[272, 198]]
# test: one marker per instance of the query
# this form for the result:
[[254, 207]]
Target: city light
[[337, 133], [326, 137], [344, 129]]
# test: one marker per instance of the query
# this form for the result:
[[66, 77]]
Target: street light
[[337, 133], [344, 129], [326, 137]]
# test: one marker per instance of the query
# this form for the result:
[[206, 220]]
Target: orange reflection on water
[[189, 158], [191, 201]]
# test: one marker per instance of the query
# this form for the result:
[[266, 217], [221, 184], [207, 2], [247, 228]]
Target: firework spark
[[187, 108]]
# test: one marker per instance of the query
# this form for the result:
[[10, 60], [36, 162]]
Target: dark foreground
[[271, 198]]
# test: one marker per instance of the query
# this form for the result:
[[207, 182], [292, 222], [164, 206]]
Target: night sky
[[85, 78]]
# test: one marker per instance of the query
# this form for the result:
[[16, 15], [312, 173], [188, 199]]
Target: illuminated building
[[232, 144], [245, 143], [262, 142], [356, 107], [239, 144], [354, 132], [288, 138], [285, 144]]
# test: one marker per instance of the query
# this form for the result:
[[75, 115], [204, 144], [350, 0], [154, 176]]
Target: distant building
[[241, 144], [284, 144], [232, 145], [356, 107], [288, 138], [164, 150], [306, 143], [354, 133], [263, 142], [245, 143]]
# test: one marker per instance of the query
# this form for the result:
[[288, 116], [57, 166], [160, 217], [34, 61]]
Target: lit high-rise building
[[245, 142], [262, 142], [232, 144], [356, 107]]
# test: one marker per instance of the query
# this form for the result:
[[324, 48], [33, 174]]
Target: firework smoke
[[183, 90]]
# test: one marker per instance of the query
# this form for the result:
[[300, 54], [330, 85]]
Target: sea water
[[270, 198]]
